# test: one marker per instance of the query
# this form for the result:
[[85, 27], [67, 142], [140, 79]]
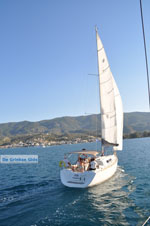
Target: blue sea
[[32, 194]]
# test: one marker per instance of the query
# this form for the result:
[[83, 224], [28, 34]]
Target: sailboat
[[111, 133]]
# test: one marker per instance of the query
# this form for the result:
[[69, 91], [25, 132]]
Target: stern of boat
[[76, 179]]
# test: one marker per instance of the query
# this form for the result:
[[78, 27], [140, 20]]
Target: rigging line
[[93, 74], [145, 51]]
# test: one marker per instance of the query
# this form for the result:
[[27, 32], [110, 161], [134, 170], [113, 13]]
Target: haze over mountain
[[133, 122]]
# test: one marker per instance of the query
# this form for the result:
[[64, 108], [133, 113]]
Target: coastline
[[45, 140]]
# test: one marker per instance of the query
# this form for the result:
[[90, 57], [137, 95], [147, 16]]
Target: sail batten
[[110, 102]]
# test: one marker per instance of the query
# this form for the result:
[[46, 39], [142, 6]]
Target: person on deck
[[93, 164], [66, 161]]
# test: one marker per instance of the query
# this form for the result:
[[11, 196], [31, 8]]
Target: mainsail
[[110, 102]]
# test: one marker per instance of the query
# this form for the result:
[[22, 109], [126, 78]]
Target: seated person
[[86, 164], [80, 164], [66, 161], [77, 165], [93, 164]]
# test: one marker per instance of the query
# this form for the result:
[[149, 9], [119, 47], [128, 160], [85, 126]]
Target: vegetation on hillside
[[136, 124]]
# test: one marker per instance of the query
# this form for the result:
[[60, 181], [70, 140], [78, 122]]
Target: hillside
[[133, 122]]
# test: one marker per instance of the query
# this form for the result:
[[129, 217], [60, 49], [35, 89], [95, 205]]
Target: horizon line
[[57, 117]]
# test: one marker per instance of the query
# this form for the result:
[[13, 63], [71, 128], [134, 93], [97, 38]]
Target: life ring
[[62, 164]]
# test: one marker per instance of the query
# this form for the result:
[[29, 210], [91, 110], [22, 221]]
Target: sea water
[[32, 194]]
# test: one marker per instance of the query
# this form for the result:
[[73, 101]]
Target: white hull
[[92, 177]]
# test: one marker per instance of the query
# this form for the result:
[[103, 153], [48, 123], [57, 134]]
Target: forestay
[[110, 102]]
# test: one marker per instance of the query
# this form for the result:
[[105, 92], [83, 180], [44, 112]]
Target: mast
[[99, 88]]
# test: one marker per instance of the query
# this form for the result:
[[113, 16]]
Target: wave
[[23, 191]]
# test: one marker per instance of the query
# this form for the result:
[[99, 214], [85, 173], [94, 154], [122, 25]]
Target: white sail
[[110, 102]]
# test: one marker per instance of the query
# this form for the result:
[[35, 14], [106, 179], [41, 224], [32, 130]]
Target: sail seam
[[113, 116], [110, 91], [110, 127], [100, 49], [105, 69], [108, 112], [106, 81]]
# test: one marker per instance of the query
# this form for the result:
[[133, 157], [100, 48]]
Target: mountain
[[133, 122], [136, 122]]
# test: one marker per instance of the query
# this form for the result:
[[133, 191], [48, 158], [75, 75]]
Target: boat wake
[[24, 191], [106, 202]]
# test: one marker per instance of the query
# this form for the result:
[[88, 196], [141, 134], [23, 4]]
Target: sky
[[48, 50]]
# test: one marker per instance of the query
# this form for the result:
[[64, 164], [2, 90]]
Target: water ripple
[[33, 194]]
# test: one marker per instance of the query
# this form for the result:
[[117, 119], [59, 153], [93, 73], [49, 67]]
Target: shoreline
[[62, 142]]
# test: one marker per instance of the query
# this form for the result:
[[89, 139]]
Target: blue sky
[[48, 48]]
